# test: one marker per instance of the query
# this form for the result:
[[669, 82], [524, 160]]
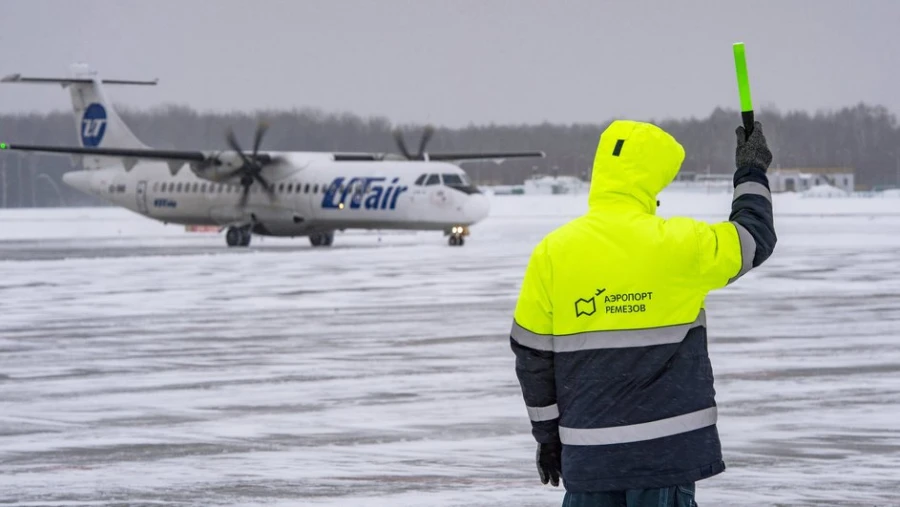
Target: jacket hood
[[634, 161]]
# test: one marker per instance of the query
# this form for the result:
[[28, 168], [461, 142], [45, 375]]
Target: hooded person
[[609, 331]]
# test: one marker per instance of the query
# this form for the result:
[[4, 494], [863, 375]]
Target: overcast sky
[[461, 61]]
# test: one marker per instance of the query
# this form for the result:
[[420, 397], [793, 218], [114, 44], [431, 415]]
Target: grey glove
[[752, 152], [549, 462]]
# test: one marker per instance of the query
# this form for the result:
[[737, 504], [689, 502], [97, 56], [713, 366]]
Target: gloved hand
[[752, 152], [549, 462]]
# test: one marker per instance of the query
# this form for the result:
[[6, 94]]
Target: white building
[[802, 179], [546, 185], [702, 182]]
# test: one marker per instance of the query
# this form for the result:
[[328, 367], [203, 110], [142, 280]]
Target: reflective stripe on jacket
[[609, 330]]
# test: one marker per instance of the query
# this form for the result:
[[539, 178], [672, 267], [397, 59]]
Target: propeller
[[251, 168], [420, 155]]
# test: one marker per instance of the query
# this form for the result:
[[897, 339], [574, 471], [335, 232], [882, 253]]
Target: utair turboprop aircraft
[[268, 193]]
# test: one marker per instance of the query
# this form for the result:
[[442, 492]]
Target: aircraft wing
[[182, 156], [437, 157], [130, 156], [485, 156]]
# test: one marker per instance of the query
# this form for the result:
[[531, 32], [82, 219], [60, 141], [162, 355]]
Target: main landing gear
[[238, 236], [321, 238], [457, 235]]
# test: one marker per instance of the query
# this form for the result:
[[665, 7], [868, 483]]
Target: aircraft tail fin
[[96, 120]]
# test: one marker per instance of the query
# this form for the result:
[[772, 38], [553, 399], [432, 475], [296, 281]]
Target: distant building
[[802, 179], [704, 182]]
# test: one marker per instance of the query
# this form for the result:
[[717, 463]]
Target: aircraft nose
[[79, 180], [477, 208]]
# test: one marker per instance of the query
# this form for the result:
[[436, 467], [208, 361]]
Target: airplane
[[270, 193]]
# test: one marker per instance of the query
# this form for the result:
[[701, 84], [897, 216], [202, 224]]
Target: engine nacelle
[[220, 168]]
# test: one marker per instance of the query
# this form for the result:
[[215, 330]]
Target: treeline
[[863, 137]]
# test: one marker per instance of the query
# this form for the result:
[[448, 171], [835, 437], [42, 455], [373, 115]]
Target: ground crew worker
[[609, 331]]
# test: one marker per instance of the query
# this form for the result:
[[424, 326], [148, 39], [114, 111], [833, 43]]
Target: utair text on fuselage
[[372, 194]]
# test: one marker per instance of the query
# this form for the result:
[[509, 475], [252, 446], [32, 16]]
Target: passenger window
[[316, 188], [421, 179], [156, 186], [195, 187], [452, 179], [178, 187], [433, 179], [203, 188]]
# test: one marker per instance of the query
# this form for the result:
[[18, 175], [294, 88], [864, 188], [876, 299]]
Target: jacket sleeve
[[728, 250], [531, 339]]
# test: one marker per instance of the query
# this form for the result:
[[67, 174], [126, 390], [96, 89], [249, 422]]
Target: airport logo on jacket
[[628, 302]]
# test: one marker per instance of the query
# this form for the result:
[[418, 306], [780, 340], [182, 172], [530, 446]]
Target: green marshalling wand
[[740, 66]]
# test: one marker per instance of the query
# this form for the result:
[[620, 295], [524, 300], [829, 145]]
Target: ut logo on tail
[[93, 125]]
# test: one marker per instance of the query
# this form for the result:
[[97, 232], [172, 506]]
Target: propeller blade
[[265, 185], [426, 136], [260, 130], [246, 192], [401, 144], [232, 142]]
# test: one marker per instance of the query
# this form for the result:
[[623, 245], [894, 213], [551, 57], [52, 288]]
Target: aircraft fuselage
[[314, 195]]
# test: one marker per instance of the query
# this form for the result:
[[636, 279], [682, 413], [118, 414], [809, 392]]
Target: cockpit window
[[433, 179], [421, 179], [452, 179]]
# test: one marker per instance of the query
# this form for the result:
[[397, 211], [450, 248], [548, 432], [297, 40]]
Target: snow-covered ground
[[141, 364]]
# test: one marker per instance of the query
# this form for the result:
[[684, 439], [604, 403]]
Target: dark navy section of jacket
[[618, 387]]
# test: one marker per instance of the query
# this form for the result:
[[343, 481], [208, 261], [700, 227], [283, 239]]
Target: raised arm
[[728, 250]]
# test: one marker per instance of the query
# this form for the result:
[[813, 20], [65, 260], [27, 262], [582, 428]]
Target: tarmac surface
[[161, 368]]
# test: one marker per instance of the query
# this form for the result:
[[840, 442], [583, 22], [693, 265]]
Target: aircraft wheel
[[246, 235], [321, 238], [234, 237], [455, 240]]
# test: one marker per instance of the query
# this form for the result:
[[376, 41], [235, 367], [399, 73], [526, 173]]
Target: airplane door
[[141, 194]]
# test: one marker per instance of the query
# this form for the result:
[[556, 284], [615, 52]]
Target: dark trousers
[[674, 496]]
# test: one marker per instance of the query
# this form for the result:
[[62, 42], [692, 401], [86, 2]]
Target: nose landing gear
[[457, 235], [321, 238]]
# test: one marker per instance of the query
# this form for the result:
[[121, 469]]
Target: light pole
[[896, 155], [3, 181], [55, 187]]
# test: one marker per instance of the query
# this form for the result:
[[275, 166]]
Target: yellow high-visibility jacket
[[609, 330]]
